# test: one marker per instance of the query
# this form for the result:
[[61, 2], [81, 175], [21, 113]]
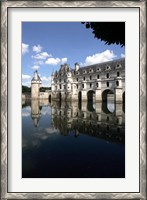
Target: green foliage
[[110, 32], [26, 89], [43, 89]]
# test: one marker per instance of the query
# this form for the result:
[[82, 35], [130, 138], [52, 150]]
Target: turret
[[77, 66], [35, 85]]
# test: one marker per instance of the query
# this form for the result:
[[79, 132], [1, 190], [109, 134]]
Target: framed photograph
[[73, 96]]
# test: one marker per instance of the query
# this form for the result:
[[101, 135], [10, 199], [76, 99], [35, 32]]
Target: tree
[[43, 89], [26, 89], [110, 32]]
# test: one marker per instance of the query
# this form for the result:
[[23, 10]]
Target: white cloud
[[55, 61], [63, 60], [26, 77], [46, 81], [37, 48], [45, 78], [38, 62], [100, 57], [26, 83], [42, 56], [25, 48], [122, 55], [35, 67]]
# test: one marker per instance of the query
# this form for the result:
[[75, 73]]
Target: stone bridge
[[98, 82]]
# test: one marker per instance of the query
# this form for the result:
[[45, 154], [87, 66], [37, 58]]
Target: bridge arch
[[90, 95], [60, 96], [107, 109], [50, 98], [80, 96], [105, 94], [123, 97]]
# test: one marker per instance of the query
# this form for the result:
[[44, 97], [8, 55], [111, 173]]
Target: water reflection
[[94, 120], [95, 137]]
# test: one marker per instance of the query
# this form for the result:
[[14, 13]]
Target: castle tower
[[35, 85]]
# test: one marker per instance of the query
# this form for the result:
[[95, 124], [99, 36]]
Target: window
[[82, 85], [118, 74], [90, 85], [107, 84], [98, 76], [77, 86], [77, 79], [107, 68], [117, 83], [60, 87], [107, 75], [64, 86], [90, 77], [84, 78], [97, 84]]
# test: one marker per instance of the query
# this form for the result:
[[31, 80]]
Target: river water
[[73, 140]]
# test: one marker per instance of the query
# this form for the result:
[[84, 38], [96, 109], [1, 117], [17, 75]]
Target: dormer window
[[90, 70], [108, 67], [118, 65], [84, 72], [98, 69]]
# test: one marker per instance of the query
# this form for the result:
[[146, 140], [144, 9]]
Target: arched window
[[117, 83], [107, 75], [118, 73], [107, 84], [90, 85], [98, 76]]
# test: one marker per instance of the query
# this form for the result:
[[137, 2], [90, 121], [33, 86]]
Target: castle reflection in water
[[104, 120]]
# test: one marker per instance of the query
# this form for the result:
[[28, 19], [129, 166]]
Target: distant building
[[95, 82]]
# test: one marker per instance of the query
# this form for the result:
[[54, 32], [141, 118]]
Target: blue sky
[[47, 45]]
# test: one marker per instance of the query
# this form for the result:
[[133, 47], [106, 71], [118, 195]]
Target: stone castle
[[95, 82]]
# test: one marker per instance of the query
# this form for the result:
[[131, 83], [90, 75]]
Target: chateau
[[95, 82]]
